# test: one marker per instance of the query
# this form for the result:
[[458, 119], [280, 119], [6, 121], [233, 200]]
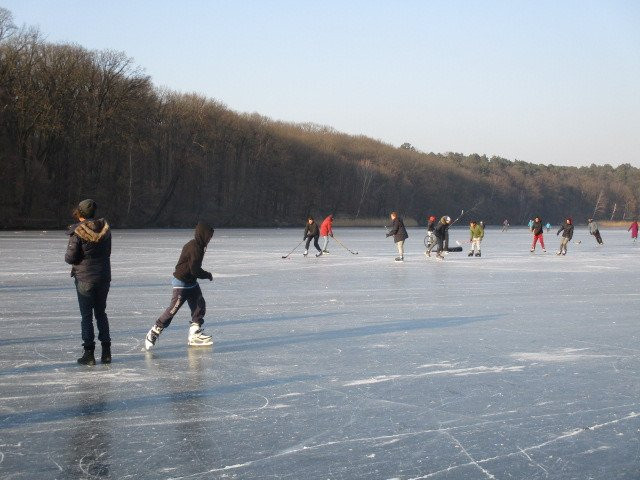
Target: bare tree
[[7, 27]]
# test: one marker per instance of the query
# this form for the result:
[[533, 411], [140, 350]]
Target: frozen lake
[[509, 366]]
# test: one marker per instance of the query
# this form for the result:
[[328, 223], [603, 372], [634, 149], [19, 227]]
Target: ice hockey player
[[593, 230], [440, 232], [431, 225], [89, 254], [399, 233], [634, 230], [537, 230], [567, 234], [186, 289], [311, 232], [476, 232], [326, 231]]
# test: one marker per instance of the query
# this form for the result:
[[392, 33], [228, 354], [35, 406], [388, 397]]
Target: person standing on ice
[[537, 229], [634, 230], [593, 230], [441, 232], [567, 234], [89, 253], [186, 289], [399, 233], [326, 231], [311, 231], [476, 232], [431, 238], [505, 225]]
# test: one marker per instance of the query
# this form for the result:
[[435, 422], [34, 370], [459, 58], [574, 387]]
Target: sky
[[551, 82]]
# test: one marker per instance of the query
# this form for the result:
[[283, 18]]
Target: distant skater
[[399, 233], [89, 253], [441, 233], [567, 234], [634, 230], [326, 231], [505, 225], [595, 231], [537, 230], [548, 227], [186, 289], [476, 233], [311, 232]]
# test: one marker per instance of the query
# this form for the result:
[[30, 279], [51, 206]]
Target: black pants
[[92, 299], [193, 296], [315, 243], [598, 236]]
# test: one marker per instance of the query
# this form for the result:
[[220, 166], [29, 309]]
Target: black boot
[[87, 358], [106, 353]]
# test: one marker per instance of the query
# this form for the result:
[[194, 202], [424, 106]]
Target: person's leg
[[315, 243], [306, 245], [85, 301], [400, 247], [197, 305], [177, 299], [100, 305], [325, 242], [542, 241], [533, 244]]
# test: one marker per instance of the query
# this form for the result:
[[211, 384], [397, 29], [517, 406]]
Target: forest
[[77, 124]]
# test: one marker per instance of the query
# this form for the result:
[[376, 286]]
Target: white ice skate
[[197, 337], [152, 337]]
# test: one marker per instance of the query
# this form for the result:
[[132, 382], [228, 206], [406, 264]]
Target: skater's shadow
[[155, 402], [346, 333]]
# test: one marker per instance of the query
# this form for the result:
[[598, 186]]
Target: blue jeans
[[92, 298]]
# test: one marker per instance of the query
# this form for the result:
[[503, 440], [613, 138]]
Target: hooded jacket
[[327, 226], [398, 231], [441, 229], [189, 266], [89, 251]]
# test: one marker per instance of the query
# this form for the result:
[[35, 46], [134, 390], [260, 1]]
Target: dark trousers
[[598, 236], [193, 296], [92, 298], [315, 243]]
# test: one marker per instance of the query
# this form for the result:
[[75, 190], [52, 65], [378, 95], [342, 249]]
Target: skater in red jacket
[[634, 230], [326, 231]]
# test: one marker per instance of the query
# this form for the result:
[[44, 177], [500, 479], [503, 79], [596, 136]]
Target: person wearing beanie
[[399, 234], [567, 234], [537, 228], [326, 231], [186, 289], [441, 233], [431, 238], [89, 254]]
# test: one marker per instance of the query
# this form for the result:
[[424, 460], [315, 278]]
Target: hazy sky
[[541, 81]]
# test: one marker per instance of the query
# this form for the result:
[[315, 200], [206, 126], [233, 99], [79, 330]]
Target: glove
[[209, 276], [331, 235]]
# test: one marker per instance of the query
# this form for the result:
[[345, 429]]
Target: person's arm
[[559, 230], [73, 255], [394, 228], [195, 266]]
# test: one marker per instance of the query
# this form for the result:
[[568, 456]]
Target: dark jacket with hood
[[537, 228], [189, 266], [566, 229], [398, 231], [89, 251], [311, 230]]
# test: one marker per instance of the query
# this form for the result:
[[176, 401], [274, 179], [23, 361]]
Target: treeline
[[76, 123]]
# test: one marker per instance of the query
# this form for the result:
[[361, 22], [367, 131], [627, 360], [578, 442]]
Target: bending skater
[[311, 231], [326, 231], [567, 234], [537, 230], [89, 253], [634, 230], [441, 233], [593, 230], [399, 233], [476, 232], [186, 289]]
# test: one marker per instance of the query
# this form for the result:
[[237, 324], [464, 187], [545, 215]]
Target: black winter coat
[[567, 231], [189, 266], [311, 230], [537, 228], [441, 230], [398, 231], [431, 226], [89, 251]]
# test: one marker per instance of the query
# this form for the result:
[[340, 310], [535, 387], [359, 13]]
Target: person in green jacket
[[476, 232]]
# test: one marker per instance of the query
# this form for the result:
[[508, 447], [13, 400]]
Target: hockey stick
[[343, 246], [285, 256], [459, 217]]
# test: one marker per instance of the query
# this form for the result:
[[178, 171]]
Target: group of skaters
[[89, 252]]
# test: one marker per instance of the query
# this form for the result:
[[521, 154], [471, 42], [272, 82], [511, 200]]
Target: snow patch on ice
[[560, 355]]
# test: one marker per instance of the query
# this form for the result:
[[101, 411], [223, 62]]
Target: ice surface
[[509, 366]]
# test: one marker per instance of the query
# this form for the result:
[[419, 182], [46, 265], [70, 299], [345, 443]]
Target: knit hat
[[87, 208]]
